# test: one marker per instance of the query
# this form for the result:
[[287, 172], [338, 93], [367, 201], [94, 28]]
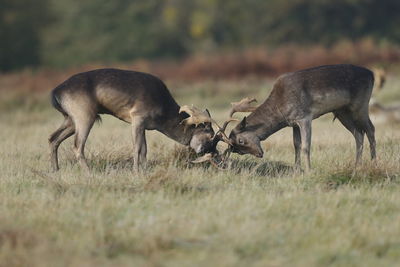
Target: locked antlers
[[197, 116]]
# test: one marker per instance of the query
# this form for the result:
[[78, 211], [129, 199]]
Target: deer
[[299, 97], [138, 98]]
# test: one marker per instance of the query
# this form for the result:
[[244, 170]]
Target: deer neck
[[174, 129], [266, 120]]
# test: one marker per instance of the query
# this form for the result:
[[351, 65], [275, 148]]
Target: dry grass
[[259, 212]]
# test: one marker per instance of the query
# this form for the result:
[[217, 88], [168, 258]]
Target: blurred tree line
[[69, 32]]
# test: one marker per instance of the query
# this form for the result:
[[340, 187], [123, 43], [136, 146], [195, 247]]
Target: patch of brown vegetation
[[258, 62]]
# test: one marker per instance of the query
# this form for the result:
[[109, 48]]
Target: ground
[[259, 212]]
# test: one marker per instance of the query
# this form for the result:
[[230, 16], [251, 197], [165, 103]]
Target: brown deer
[[134, 97], [299, 97]]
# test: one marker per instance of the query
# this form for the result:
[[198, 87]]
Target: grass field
[[259, 212]]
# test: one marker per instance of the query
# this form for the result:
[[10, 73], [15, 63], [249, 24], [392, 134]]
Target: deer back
[[319, 90], [119, 93]]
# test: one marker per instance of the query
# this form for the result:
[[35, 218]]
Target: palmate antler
[[208, 157], [196, 116], [243, 105], [214, 159]]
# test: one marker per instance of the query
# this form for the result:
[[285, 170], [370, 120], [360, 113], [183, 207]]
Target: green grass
[[259, 212]]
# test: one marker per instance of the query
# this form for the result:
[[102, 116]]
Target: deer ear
[[208, 112], [242, 124]]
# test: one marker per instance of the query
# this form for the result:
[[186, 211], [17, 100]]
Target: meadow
[[258, 212]]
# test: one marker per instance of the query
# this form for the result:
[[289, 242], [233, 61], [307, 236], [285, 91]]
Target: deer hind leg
[[350, 124], [139, 141], [305, 133], [370, 131], [66, 129], [297, 146], [83, 124]]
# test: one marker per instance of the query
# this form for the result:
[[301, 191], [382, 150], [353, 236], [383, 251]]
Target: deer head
[[244, 141], [202, 140]]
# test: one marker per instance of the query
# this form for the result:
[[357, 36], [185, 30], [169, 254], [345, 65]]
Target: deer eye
[[241, 142]]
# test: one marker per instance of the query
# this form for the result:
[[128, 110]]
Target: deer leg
[[370, 131], [349, 123], [143, 149], [305, 133], [297, 146], [139, 141], [83, 127], [359, 136], [66, 130]]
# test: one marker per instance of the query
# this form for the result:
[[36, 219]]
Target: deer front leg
[[297, 146], [305, 133], [143, 150], [139, 141]]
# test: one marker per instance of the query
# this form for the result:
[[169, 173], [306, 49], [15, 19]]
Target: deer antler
[[210, 157], [196, 116], [204, 158], [221, 131], [243, 105]]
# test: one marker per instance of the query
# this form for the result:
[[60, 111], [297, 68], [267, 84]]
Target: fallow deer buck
[[299, 97], [134, 97]]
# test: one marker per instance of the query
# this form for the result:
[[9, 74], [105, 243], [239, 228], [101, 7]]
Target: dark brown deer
[[299, 97], [134, 97]]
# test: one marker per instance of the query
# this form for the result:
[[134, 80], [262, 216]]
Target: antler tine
[[243, 105]]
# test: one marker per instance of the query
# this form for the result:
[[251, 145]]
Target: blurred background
[[197, 39]]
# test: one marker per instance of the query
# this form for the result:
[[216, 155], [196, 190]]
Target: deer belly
[[328, 102], [119, 105]]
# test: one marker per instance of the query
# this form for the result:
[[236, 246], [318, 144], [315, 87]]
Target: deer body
[[299, 97], [134, 97]]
